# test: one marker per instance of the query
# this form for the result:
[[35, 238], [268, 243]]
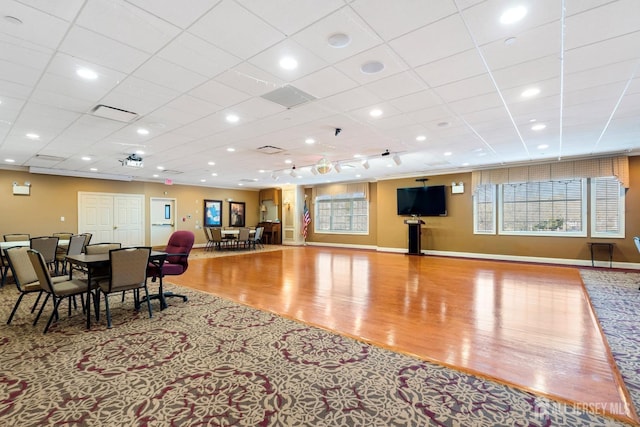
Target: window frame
[[337, 199], [583, 215], [494, 215], [620, 233]]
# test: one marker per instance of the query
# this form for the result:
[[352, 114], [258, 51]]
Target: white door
[[128, 219], [163, 212], [112, 217]]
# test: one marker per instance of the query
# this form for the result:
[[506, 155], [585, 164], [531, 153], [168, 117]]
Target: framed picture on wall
[[212, 213], [236, 214]]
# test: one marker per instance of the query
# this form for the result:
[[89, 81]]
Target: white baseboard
[[494, 257]]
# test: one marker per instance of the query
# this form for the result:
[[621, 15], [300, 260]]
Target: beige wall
[[53, 197], [454, 233]]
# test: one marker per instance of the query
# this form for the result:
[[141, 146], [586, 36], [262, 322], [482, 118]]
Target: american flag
[[306, 220]]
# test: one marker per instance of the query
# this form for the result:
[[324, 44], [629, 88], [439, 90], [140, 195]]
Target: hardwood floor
[[529, 326]]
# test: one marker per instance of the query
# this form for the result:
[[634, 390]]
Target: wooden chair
[[128, 273]]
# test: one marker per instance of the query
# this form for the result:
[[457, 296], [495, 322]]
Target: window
[[484, 210], [548, 208], [342, 213], [607, 208]]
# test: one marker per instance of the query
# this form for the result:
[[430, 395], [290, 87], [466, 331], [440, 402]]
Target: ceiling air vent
[[171, 172], [288, 96], [270, 149], [50, 158], [113, 113]]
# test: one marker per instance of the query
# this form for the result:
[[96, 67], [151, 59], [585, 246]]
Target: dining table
[[90, 262]]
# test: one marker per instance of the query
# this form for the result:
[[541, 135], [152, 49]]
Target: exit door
[[163, 213]]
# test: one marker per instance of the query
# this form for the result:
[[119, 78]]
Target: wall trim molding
[[493, 257]]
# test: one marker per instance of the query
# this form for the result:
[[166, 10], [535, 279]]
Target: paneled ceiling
[[448, 79]]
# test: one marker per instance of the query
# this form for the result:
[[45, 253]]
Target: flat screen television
[[422, 201]]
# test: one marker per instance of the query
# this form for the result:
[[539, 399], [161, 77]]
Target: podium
[[415, 225]]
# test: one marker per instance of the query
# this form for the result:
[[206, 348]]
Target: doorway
[[112, 217], [163, 224]]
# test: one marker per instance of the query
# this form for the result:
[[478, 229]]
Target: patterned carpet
[[212, 362]]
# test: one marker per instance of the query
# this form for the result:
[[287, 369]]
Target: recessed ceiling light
[[214, 174], [261, 171], [232, 118], [140, 152], [288, 161], [86, 73], [160, 168], [94, 169], [465, 164], [86, 158], [421, 138], [211, 163], [530, 92], [448, 153], [310, 141], [358, 176], [240, 184], [513, 15], [231, 149], [203, 180], [155, 175], [542, 146], [538, 126], [32, 136], [142, 131], [288, 63], [375, 113], [372, 67], [339, 40], [10, 160]]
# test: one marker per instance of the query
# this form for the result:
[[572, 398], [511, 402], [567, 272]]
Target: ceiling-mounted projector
[[133, 161]]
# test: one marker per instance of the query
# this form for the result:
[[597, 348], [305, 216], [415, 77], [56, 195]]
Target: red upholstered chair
[[176, 263]]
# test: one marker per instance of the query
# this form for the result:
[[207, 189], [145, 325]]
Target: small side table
[[608, 245]]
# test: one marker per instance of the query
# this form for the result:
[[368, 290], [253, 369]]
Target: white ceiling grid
[[451, 73]]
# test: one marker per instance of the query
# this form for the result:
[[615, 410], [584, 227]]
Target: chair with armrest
[[128, 273], [178, 248], [58, 290]]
